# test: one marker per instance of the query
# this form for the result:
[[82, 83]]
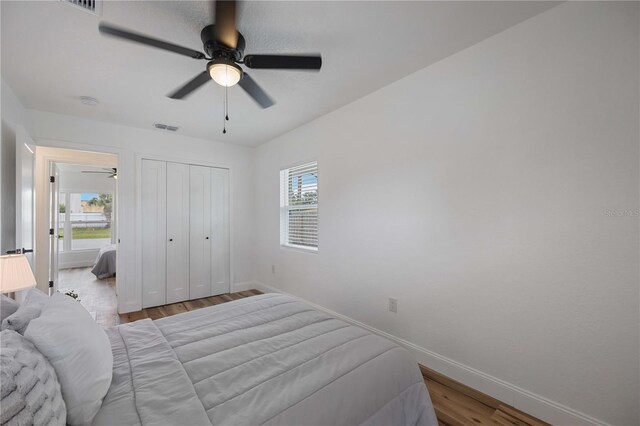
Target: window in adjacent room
[[299, 206], [85, 220]]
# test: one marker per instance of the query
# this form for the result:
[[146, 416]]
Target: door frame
[[24, 140], [46, 155]]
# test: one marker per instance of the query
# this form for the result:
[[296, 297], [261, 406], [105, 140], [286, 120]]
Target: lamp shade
[[15, 273]]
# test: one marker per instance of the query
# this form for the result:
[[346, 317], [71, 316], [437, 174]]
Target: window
[[299, 207], [85, 220], [62, 214]]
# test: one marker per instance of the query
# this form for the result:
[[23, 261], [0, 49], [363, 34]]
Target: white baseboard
[[133, 306], [243, 286], [77, 258], [75, 264], [529, 402]]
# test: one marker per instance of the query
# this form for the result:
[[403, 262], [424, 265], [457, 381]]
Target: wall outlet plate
[[393, 305]]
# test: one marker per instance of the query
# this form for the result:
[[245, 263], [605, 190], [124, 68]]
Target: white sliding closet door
[[154, 227], [220, 260], [177, 238], [200, 231]]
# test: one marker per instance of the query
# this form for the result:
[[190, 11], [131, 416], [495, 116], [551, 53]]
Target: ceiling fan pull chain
[[226, 103], [225, 107], [224, 122]]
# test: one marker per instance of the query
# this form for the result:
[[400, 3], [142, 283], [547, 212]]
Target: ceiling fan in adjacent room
[[112, 172], [224, 50]]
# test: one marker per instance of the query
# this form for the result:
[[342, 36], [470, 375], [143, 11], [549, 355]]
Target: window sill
[[86, 250], [313, 250]]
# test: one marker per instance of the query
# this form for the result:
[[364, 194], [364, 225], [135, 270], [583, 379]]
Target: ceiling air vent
[[165, 127], [92, 6]]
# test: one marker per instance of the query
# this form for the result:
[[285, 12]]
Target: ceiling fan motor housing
[[218, 50]]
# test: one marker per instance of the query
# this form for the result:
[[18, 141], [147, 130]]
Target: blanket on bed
[[267, 359], [105, 266]]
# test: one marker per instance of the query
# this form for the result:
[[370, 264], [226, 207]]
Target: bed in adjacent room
[[105, 265]]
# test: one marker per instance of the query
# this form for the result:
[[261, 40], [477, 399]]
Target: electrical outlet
[[393, 305], [273, 269]]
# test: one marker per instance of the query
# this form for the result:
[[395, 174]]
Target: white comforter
[[267, 359]]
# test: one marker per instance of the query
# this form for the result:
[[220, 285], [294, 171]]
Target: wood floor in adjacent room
[[455, 403], [97, 296]]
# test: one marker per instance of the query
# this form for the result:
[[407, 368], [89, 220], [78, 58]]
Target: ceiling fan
[[224, 47], [112, 172]]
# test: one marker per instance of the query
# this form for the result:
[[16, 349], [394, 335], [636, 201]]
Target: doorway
[[86, 237], [76, 227]]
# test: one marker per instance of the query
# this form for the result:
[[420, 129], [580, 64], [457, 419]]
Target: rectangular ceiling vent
[[165, 127], [92, 6]]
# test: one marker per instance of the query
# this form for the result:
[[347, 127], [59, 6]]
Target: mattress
[[267, 359], [105, 266]]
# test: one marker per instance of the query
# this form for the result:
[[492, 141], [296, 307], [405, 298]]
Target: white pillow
[[80, 352], [30, 308], [7, 306]]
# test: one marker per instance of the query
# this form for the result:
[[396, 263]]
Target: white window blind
[[299, 206]]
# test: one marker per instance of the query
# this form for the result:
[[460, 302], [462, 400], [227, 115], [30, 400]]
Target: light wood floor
[[455, 403], [97, 296], [189, 305]]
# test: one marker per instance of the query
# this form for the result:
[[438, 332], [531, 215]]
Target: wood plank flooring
[[97, 296], [189, 305], [455, 403]]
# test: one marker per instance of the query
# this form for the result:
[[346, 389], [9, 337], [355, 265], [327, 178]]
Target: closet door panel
[[220, 259], [154, 223], [177, 238], [200, 231]]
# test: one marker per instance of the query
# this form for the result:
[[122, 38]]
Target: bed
[[267, 359], [105, 265]]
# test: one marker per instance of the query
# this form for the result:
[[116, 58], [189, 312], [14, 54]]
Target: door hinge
[[50, 284], [20, 251], [50, 231], [52, 179]]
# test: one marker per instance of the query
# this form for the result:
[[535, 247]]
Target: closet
[[185, 232]]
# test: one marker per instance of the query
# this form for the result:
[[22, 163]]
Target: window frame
[[285, 208], [67, 224]]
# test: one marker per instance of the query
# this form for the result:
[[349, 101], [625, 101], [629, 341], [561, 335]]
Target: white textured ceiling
[[52, 54]]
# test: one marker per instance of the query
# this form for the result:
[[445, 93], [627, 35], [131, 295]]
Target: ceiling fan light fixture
[[225, 73]]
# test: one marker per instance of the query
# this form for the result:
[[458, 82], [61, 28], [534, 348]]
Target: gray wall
[[12, 114], [494, 194]]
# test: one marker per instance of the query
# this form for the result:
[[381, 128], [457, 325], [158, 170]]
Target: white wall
[[13, 115], [76, 181], [132, 144], [483, 192]]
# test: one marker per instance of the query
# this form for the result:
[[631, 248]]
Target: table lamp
[[15, 273]]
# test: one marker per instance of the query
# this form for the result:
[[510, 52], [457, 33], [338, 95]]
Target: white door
[[54, 179], [220, 259], [25, 201], [154, 228], [200, 232], [177, 232]]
